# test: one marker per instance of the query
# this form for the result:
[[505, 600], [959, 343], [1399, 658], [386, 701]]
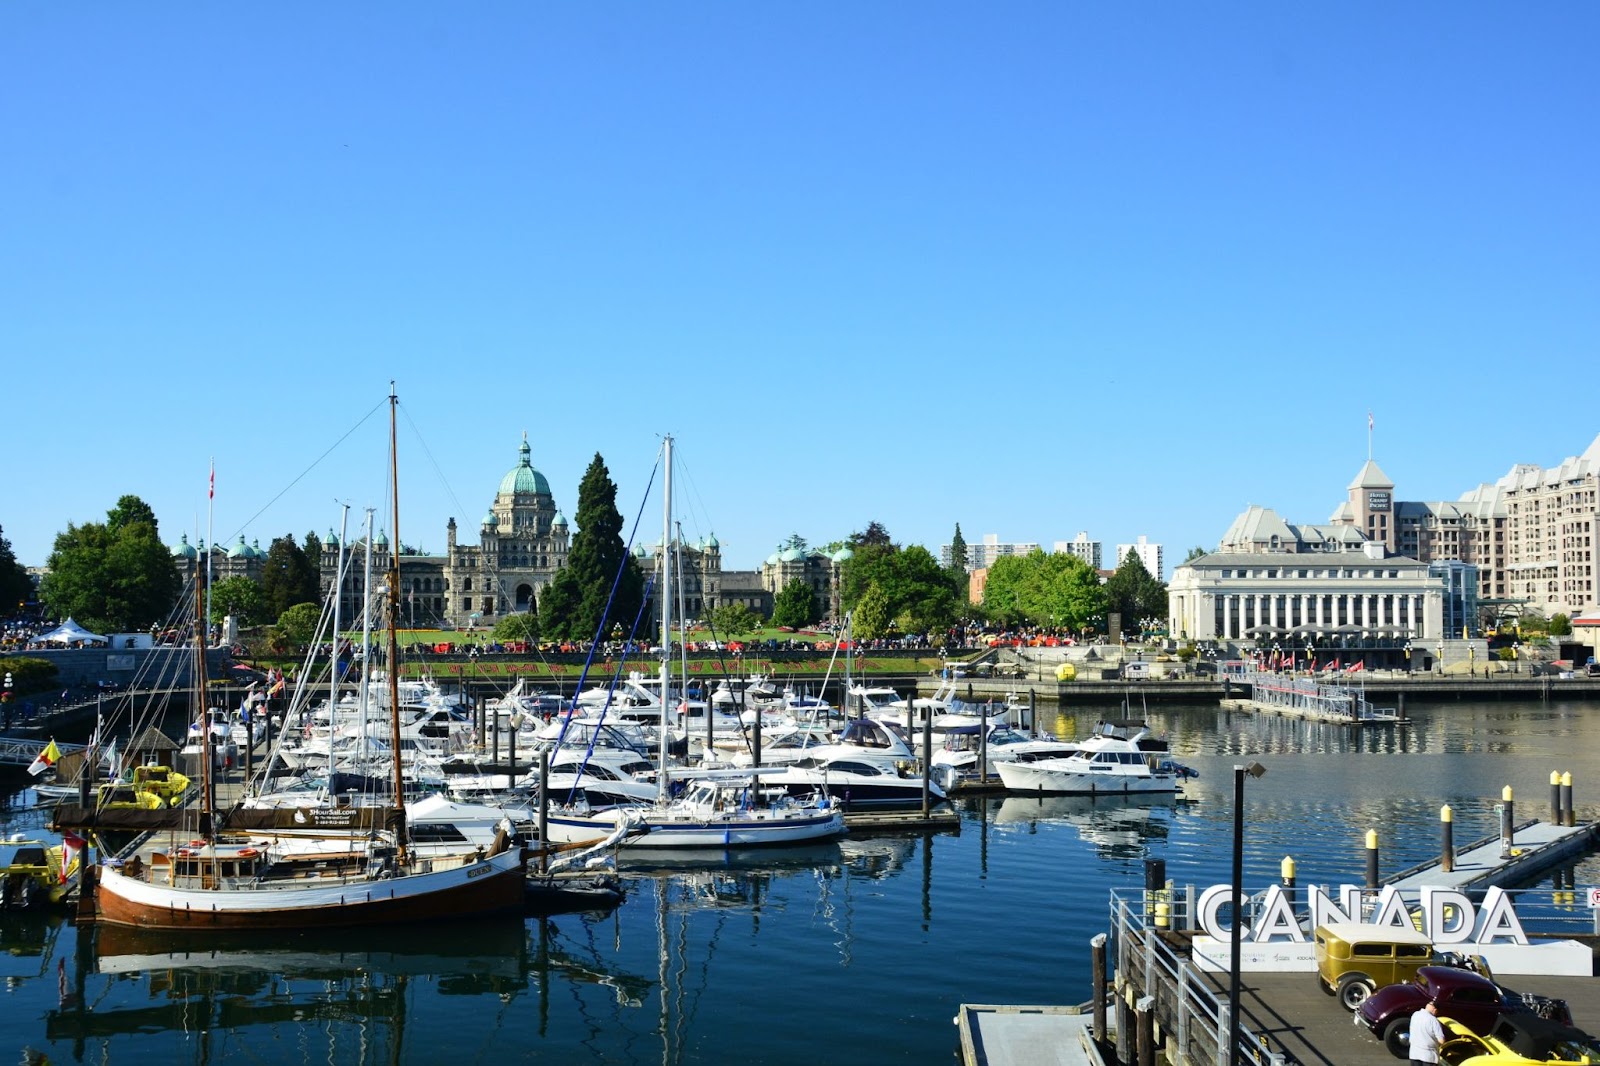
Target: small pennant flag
[[47, 758], [211, 490], [1369, 421]]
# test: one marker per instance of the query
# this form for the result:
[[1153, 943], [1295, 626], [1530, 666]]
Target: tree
[[1134, 592], [115, 576], [874, 535], [794, 606], [298, 625], [558, 605], [1058, 590], [913, 584], [312, 547], [1195, 553], [522, 626], [15, 586], [597, 556], [734, 620], [288, 577], [958, 555], [1560, 625], [870, 618], [240, 597]]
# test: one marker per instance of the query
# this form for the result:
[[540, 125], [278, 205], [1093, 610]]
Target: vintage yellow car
[[1517, 1040]]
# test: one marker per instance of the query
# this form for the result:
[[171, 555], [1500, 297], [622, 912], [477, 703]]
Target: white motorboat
[[870, 766], [1116, 759], [957, 757]]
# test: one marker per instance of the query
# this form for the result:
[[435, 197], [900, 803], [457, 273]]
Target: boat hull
[[1038, 777], [658, 830], [490, 886]]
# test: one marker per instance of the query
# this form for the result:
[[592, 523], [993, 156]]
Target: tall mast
[[394, 620], [333, 660], [207, 786], [366, 636], [665, 598]]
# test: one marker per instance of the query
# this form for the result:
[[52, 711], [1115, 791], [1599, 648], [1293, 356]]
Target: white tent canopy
[[70, 632]]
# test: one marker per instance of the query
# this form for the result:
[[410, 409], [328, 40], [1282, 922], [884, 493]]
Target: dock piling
[[1372, 859], [1447, 839], [1569, 818], [1097, 963], [1286, 868], [1145, 1010], [1555, 797]]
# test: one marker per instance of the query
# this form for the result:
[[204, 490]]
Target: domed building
[[522, 542], [794, 561]]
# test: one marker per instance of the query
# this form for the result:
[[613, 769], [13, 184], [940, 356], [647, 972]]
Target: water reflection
[[1118, 826]]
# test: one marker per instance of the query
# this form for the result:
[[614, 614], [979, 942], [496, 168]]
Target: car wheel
[[1397, 1037], [1353, 991]]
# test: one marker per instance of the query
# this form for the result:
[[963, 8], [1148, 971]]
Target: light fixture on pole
[[1254, 769]]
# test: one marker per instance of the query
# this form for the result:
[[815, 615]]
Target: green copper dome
[[184, 548], [560, 522], [240, 550], [523, 477]]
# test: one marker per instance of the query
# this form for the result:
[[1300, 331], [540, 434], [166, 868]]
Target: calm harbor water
[[857, 952]]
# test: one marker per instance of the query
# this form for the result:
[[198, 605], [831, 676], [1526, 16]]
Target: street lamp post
[[1254, 769]]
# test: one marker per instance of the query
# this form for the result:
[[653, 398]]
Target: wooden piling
[[1447, 839], [1097, 964], [1372, 859], [1145, 1013]]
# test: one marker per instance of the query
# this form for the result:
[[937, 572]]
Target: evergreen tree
[[794, 607], [1134, 592], [874, 535], [958, 554], [115, 576], [870, 619], [558, 606], [288, 577], [598, 553], [16, 588]]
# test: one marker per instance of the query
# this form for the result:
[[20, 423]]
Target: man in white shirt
[[1426, 1035]]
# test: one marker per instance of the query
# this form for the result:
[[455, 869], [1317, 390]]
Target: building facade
[[1149, 555], [1084, 548]]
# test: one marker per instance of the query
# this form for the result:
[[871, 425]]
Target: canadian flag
[[1362, 665]]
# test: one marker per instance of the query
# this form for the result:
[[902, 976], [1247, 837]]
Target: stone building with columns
[[522, 541]]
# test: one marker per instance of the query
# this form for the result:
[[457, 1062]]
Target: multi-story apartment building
[[1149, 554], [1084, 548]]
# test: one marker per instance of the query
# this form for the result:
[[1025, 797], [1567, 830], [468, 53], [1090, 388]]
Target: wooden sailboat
[[710, 815], [218, 886]]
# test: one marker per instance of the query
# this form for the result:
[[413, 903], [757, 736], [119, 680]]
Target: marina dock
[[1157, 992]]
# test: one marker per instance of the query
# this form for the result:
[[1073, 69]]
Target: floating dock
[[1307, 698], [1027, 1036]]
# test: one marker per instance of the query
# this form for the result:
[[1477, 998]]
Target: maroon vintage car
[[1467, 997]]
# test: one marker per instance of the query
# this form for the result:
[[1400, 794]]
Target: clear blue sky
[[1029, 267]]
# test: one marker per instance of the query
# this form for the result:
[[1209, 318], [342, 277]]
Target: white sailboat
[[719, 809]]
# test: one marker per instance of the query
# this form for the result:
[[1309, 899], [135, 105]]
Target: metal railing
[[1197, 1017]]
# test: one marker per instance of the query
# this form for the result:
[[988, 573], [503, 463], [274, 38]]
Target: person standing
[[1426, 1035]]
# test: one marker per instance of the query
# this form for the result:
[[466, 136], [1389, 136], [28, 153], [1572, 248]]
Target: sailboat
[[715, 811], [211, 885]]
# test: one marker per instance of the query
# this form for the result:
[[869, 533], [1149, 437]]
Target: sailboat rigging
[[216, 886]]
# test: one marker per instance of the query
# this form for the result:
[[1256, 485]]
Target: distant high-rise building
[[1081, 546], [1149, 554], [984, 554]]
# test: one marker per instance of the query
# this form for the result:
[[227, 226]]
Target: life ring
[[248, 853], [197, 843]]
